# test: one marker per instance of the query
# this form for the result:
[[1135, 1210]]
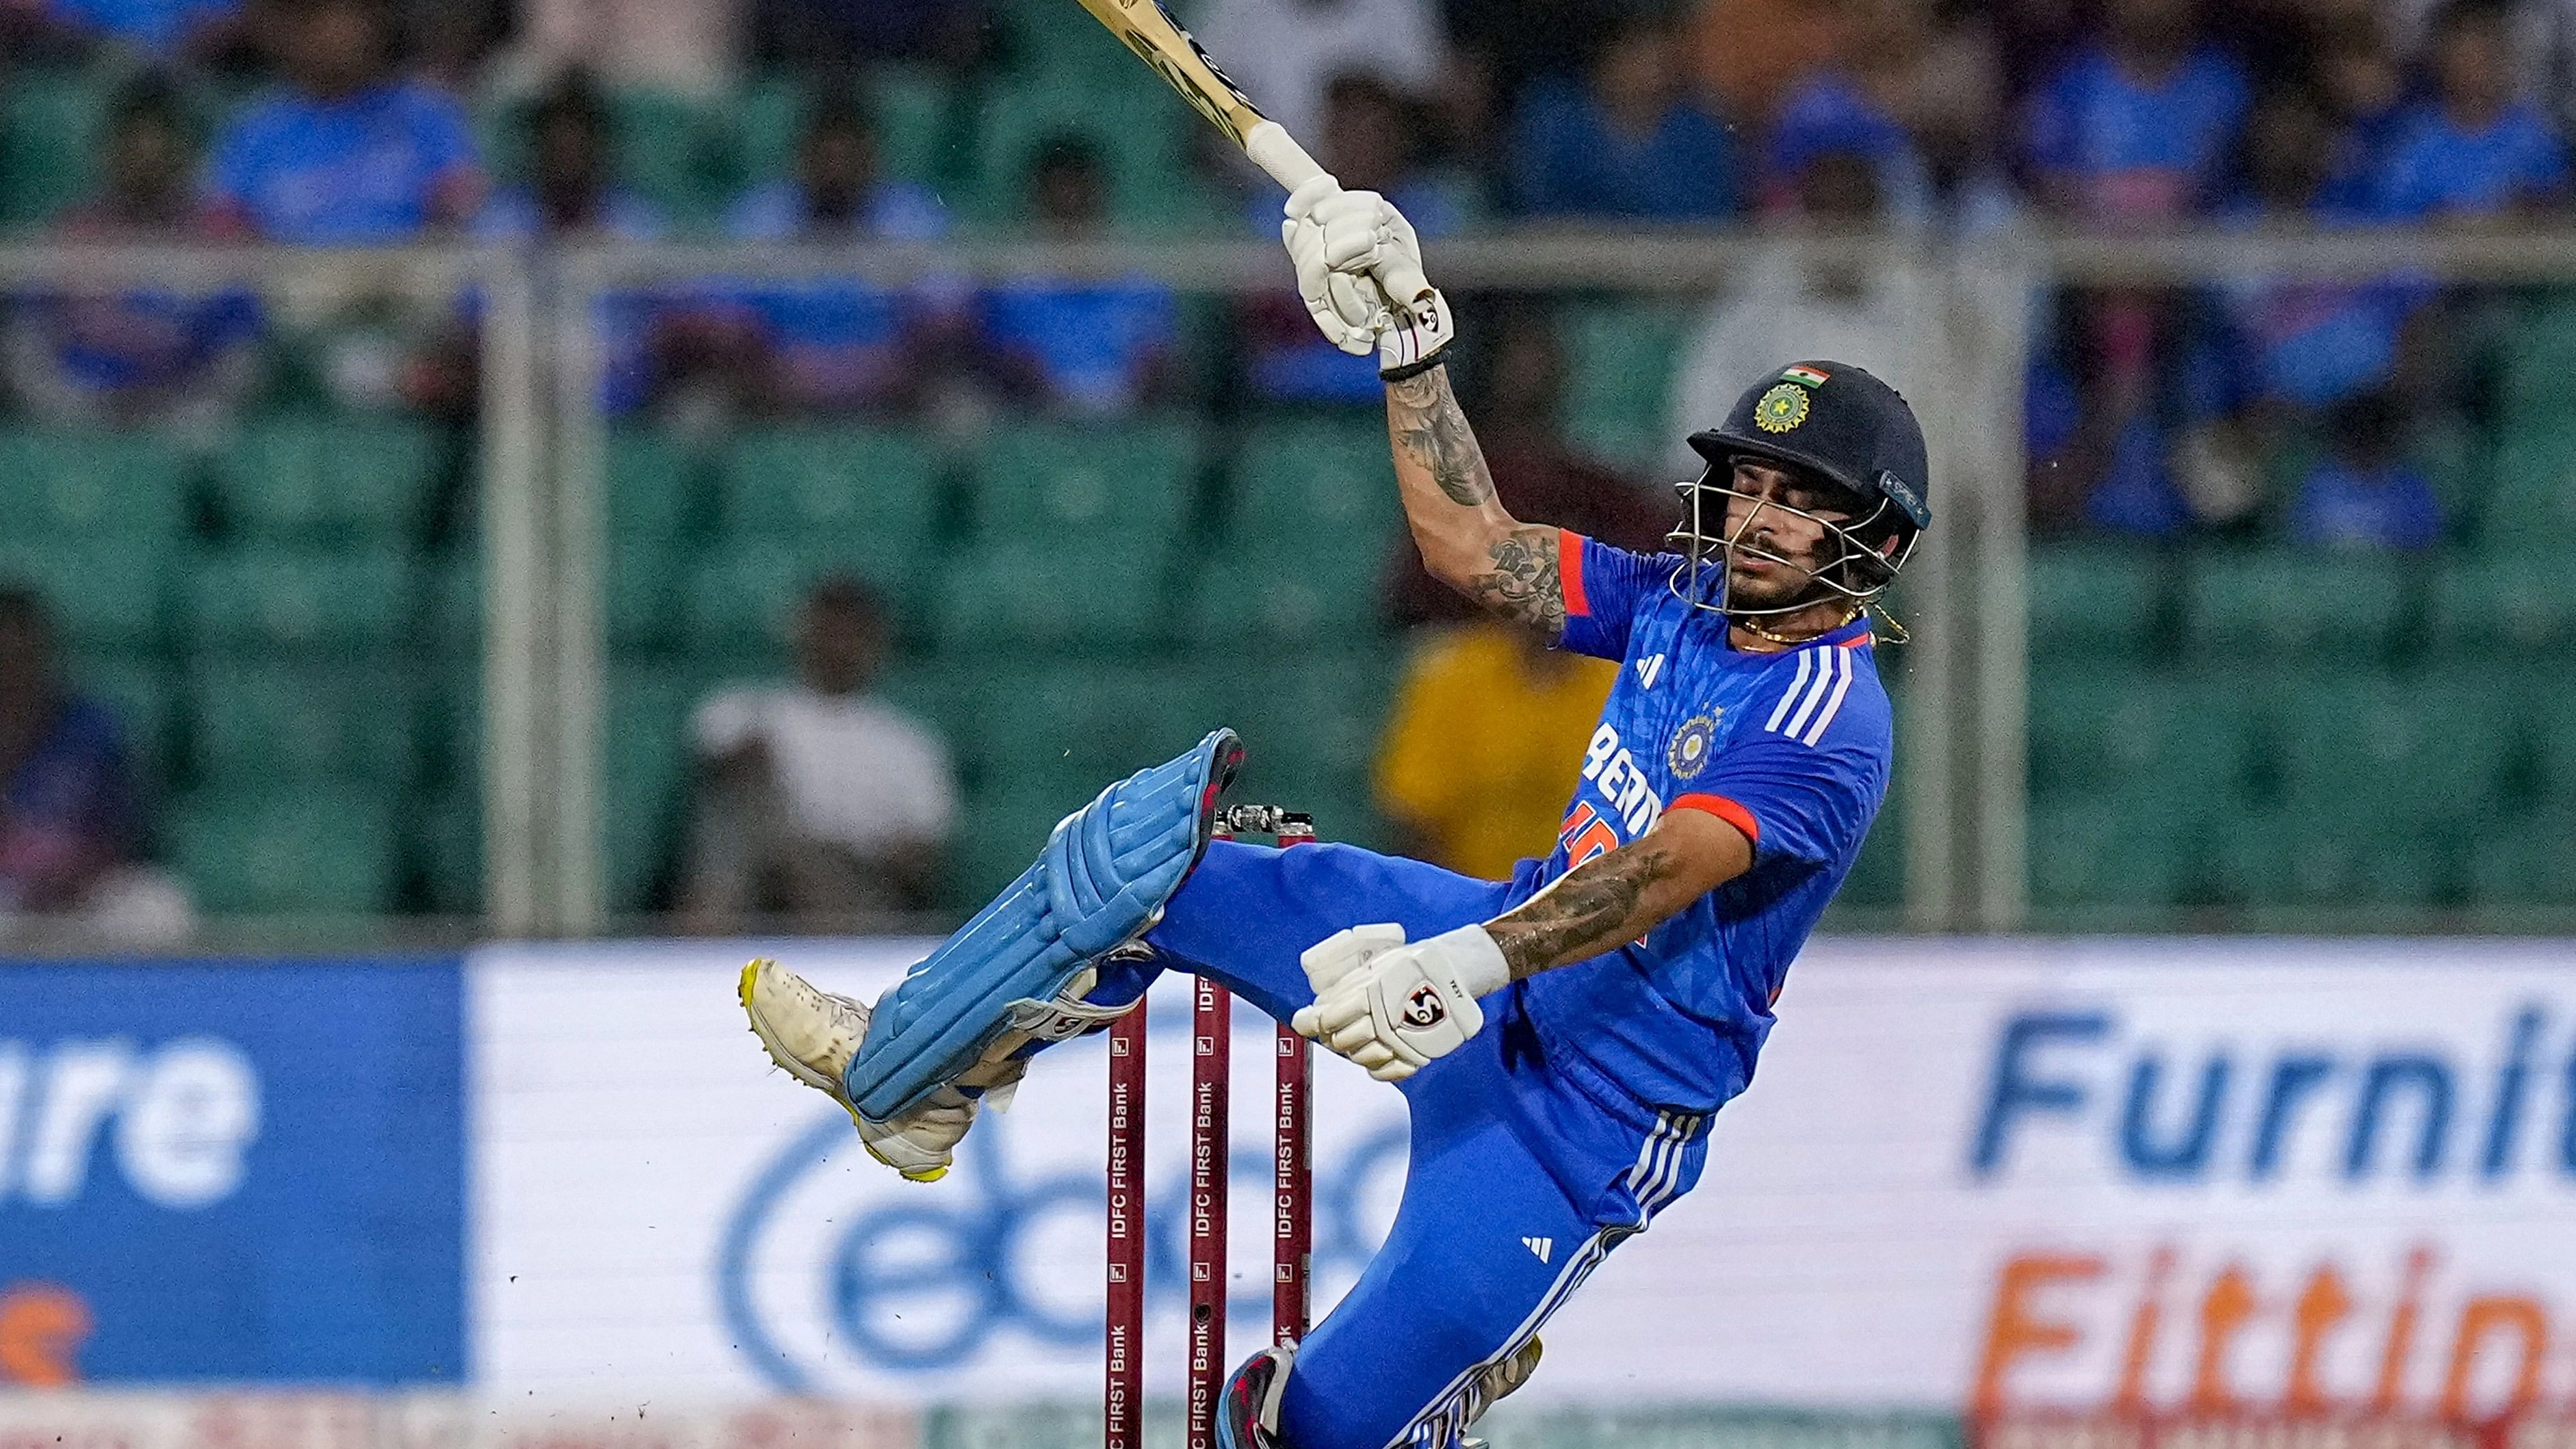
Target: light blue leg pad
[[1101, 881]]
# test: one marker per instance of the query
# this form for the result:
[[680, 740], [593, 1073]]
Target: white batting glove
[[1359, 267], [1391, 1007]]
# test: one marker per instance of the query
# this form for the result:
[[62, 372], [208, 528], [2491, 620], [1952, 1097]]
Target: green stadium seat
[[52, 123], [1029, 595], [742, 594], [2528, 863], [448, 842], [2395, 754], [1312, 721], [1325, 476], [911, 107], [454, 619], [2539, 359], [2509, 603], [1001, 831], [309, 477], [1048, 481], [1081, 725], [79, 483], [949, 699], [104, 593], [299, 599], [807, 481], [265, 723], [1322, 592], [644, 591], [2532, 502], [668, 147], [2290, 604], [140, 693], [2110, 851], [2122, 728], [2353, 856], [1141, 138], [2549, 709], [1619, 366], [2093, 602], [302, 852], [652, 485]]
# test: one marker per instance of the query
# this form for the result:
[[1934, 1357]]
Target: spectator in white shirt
[[815, 802]]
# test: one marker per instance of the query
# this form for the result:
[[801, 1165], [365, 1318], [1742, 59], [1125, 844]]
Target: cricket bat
[[1149, 30]]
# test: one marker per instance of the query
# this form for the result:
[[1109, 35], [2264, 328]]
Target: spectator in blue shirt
[[151, 353], [1829, 115], [160, 29], [2477, 148], [1089, 348], [2364, 494], [1371, 142], [349, 154], [830, 344], [2137, 126], [1630, 143], [72, 822]]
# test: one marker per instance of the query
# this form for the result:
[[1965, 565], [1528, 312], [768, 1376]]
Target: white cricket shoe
[[812, 1034]]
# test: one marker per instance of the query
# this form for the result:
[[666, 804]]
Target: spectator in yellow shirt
[[1481, 755]]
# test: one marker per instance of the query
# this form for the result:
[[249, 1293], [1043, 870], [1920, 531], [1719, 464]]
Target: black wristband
[[1403, 370]]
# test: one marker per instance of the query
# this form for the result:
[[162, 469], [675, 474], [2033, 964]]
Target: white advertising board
[[2167, 1175]]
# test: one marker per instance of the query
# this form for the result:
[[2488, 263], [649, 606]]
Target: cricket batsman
[[1561, 1038]]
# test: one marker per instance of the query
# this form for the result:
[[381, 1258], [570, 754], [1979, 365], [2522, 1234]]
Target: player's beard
[[1766, 585]]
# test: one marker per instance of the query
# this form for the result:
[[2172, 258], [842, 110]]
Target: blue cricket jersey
[[1792, 748]]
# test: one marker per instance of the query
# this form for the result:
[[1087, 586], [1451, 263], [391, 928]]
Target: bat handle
[[1275, 151]]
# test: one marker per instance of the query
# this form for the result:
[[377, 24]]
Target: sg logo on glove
[[1422, 1010]]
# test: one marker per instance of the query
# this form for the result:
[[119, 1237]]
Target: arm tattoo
[[1589, 910], [1524, 584], [1433, 432]]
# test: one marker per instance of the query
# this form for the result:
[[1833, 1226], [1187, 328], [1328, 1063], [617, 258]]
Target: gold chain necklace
[[1785, 642]]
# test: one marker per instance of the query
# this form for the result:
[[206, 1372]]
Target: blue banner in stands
[[241, 1171]]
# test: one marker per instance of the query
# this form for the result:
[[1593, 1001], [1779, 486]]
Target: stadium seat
[[1324, 591], [51, 125], [1619, 365], [807, 481], [2529, 864], [911, 107], [76, 483], [273, 597], [2539, 360], [1134, 481], [2139, 730], [2511, 603], [652, 485], [1085, 724], [315, 477], [447, 840], [1140, 136], [2395, 754], [742, 594], [949, 698], [2531, 503], [1000, 832], [2326, 858], [1309, 721], [668, 148], [2292, 604], [2549, 712], [1327, 475], [2095, 602], [104, 593], [2109, 851], [643, 579], [1029, 595], [141, 693], [262, 722], [301, 852]]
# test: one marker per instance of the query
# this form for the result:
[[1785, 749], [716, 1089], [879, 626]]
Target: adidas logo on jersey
[[1649, 669], [1541, 1247], [1814, 696]]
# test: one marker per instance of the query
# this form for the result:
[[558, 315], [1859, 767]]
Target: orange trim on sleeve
[[1724, 809], [1569, 570]]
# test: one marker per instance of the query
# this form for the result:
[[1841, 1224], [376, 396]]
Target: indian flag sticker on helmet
[[1806, 376], [1780, 409]]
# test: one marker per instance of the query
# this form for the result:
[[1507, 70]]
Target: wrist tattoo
[[1434, 433]]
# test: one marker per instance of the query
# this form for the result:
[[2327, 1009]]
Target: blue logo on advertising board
[[236, 1171]]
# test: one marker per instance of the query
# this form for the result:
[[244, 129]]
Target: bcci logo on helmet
[[1424, 1009]]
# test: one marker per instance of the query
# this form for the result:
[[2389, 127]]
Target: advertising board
[[2168, 1176], [231, 1171]]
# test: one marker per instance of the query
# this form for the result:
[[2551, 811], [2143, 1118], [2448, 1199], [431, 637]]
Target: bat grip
[[1275, 151]]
